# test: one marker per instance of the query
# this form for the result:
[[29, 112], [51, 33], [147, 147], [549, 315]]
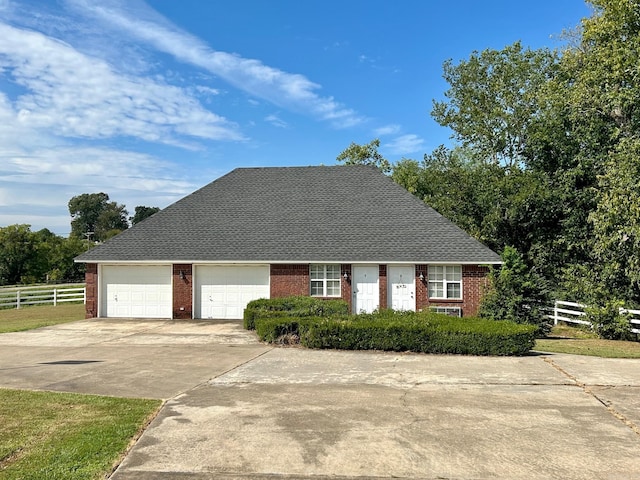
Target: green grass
[[581, 341], [45, 435], [27, 318]]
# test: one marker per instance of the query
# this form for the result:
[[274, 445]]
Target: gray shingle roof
[[336, 214]]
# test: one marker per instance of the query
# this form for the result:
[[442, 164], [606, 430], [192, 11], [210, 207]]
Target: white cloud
[[207, 90], [91, 167], [387, 130], [276, 121], [33, 181], [290, 90], [73, 95], [405, 144]]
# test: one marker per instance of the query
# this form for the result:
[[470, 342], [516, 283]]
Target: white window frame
[[323, 270], [448, 278]]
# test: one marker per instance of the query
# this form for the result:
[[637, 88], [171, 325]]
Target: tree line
[[35, 257], [546, 163]]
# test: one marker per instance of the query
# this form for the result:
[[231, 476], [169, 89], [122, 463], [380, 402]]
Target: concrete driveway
[[240, 410], [124, 358]]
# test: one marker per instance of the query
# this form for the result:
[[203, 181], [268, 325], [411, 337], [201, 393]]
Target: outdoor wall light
[[421, 277], [345, 276], [182, 275]]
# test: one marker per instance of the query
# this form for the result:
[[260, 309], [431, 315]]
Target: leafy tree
[[606, 94], [367, 154], [85, 210], [62, 268], [111, 221], [42, 256], [93, 212], [493, 98], [16, 250], [517, 293], [616, 222], [46, 243], [142, 213]]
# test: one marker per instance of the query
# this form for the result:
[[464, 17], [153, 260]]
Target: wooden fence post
[[18, 299]]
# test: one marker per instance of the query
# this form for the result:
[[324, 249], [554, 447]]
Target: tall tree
[[606, 92], [366, 154], [85, 209], [94, 216], [17, 249], [142, 213], [492, 99]]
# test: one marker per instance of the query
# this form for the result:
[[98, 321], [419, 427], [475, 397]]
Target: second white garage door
[[223, 291]]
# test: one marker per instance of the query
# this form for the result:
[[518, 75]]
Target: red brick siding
[[182, 291], [474, 281], [382, 282], [293, 279], [422, 288], [345, 285], [91, 280], [290, 279]]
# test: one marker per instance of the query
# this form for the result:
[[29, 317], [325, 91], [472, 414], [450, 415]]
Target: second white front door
[[402, 287], [366, 291]]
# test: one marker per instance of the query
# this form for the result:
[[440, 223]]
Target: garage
[[223, 291], [136, 291]]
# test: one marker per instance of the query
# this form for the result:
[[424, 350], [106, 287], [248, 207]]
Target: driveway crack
[[605, 403]]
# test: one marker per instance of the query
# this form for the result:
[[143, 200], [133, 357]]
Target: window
[[325, 280], [445, 281]]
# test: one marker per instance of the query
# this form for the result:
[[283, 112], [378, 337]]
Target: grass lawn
[[27, 318], [45, 435], [580, 341]]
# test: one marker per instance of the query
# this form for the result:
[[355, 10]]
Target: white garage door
[[223, 291], [136, 291]]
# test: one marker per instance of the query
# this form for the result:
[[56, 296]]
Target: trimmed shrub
[[403, 331], [292, 307]]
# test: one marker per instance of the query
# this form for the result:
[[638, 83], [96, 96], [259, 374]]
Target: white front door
[[223, 291], [366, 292], [402, 287]]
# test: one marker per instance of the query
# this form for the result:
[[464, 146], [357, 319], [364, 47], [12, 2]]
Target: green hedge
[[292, 307], [406, 331]]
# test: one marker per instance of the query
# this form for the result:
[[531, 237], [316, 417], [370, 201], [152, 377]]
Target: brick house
[[333, 232]]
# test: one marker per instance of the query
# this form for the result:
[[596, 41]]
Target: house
[[333, 232]]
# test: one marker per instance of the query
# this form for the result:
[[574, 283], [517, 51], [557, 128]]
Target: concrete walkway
[[241, 410]]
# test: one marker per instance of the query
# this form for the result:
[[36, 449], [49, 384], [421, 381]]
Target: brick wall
[[422, 288], [289, 280], [382, 282], [474, 281], [91, 280], [182, 291], [345, 285]]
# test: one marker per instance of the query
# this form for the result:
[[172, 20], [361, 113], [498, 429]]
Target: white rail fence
[[16, 297], [572, 312]]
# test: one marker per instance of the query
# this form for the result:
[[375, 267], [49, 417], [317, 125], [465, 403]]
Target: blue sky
[[148, 101]]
